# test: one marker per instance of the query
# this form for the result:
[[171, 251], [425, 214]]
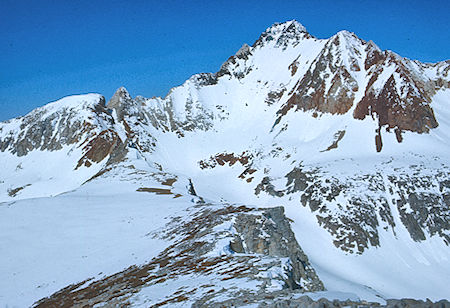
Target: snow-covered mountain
[[302, 165]]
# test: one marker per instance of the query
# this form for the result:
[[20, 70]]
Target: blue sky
[[50, 49]]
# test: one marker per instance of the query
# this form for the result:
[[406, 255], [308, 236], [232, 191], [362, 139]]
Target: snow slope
[[92, 232]]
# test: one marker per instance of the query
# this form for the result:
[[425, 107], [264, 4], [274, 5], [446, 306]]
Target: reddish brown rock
[[99, 148], [226, 158], [410, 112]]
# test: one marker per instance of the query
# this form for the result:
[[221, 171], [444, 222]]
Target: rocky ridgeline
[[398, 95], [240, 252], [56, 125]]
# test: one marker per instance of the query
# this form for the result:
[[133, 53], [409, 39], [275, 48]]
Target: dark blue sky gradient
[[50, 49]]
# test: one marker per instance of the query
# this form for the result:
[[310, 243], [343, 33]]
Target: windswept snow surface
[[43, 173], [92, 232]]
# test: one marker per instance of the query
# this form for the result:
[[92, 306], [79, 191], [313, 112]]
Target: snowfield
[[94, 231]]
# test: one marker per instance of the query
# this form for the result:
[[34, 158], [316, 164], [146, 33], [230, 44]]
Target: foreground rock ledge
[[241, 252]]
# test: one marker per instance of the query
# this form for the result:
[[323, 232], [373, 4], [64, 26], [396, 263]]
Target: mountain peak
[[288, 26], [121, 93], [244, 50], [119, 100], [119, 97], [73, 102], [346, 37], [372, 45], [283, 34]]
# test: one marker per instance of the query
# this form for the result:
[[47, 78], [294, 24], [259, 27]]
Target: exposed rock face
[[316, 92], [57, 125], [13, 192], [274, 96], [226, 158], [273, 236], [226, 69], [424, 212], [353, 221], [287, 33], [140, 116], [43, 129], [99, 148], [337, 137], [120, 102], [398, 91], [405, 109], [266, 186], [267, 253]]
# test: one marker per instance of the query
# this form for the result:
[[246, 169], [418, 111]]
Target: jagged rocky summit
[[318, 165]]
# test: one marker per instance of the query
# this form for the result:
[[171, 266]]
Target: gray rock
[[273, 236], [263, 245]]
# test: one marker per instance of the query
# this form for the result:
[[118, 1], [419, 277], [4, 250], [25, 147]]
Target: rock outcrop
[[224, 243]]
